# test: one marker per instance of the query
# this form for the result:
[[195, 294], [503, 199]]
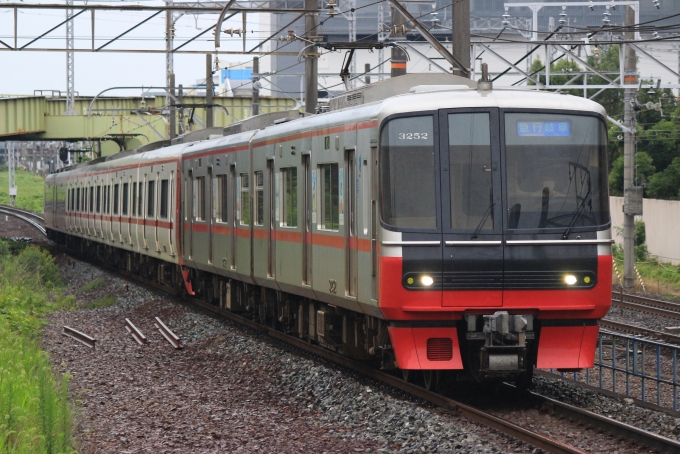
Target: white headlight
[[570, 279], [426, 281]]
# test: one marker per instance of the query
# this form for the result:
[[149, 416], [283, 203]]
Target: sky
[[25, 71]]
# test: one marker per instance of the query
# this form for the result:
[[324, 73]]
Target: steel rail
[[78, 336], [167, 334], [554, 446], [135, 332], [26, 212], [654, 306], [24, 218], [634, 329], [474, 414]]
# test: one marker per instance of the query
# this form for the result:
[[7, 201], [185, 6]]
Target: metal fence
[[637, 368]]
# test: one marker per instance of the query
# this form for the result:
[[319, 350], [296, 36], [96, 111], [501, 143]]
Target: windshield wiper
[[577, 215], [481, 223]]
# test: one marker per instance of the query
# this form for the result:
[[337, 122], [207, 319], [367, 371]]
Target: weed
[[92, 285], [101, 302]]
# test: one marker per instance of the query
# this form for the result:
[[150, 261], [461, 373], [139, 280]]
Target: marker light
[[570, 279], [426, 281]]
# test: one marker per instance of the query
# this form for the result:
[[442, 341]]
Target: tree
[[559, 74], [644, 172], [660, 141], [666, 184]]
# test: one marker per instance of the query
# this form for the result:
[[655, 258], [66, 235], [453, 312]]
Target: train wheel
[[407, 375], [430, 379]]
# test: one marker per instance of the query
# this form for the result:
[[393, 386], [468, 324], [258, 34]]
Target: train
[[428, 224]]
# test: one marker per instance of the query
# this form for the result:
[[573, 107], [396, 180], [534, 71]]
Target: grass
[[30, 190], [35, 414], [92, 285], [101, 302], [660, 277]]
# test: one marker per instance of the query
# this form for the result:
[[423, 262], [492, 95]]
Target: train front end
[[495, 248]]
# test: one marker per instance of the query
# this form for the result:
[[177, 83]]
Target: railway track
[[29, 217], [618, 327], [649, 305], [509, 428]]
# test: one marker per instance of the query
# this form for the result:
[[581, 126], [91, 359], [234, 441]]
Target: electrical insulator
[[591, 5], [331, 8], [563, 16], [656, 3], [605, 19]]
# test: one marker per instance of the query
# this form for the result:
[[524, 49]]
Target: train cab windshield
[[439, 171]]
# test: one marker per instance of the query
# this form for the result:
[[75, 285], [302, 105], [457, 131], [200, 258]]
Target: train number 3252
[[413, 136]]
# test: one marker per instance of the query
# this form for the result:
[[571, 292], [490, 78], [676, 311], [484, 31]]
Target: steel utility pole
[[169, 70], [70, 62], [632, 205], [208, 91], [398, 55], [255, 105], [12, 176], [311, 57], [460, 34]]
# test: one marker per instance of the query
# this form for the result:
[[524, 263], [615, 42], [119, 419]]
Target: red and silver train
[[425, 222]]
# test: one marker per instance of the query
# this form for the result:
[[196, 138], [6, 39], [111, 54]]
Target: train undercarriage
[[492, 346]]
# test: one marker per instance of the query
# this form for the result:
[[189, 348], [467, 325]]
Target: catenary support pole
[[460, 34], [629, 145], [398, 55], [208, 91], [172, 127], [256, 91], [311, 57]]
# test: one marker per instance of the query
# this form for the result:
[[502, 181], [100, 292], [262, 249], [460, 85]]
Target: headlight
[[426, 281], [570, 279]]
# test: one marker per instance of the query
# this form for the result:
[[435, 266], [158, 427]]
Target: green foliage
[[102, 302], [645, 171], [640, 234], [30, 190], [560, 74], [35, 416], [660, 141], [666, 184], [92, 285]]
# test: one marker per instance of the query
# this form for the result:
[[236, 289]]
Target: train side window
[[91, 199], [289, 195], [164, 199], [108, 199], [126, 194], [78, 199], [99, 199], [150, 198], [140, 200], [220, 198], [199, 198], [329, 197], [134, 199], [259, 198], [115, 198], [68, 200], [244, 200]]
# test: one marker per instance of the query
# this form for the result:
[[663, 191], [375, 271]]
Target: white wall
[[662, 226]]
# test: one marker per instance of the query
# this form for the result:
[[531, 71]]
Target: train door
[[472, 273], [233, 198], [54, 205], [210, 217], [271, 207], [374, 223], [351, 240], [307, 201]]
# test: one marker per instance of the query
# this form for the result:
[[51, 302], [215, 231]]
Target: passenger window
[[134, 199], [164, 199], [126, 194], [199, 198], [91, 199], [115, 198], [259, 198], [99, 199], [140, 199], [244, 200], [289, 196], [329, 197], [150, 199], [220, 198]]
